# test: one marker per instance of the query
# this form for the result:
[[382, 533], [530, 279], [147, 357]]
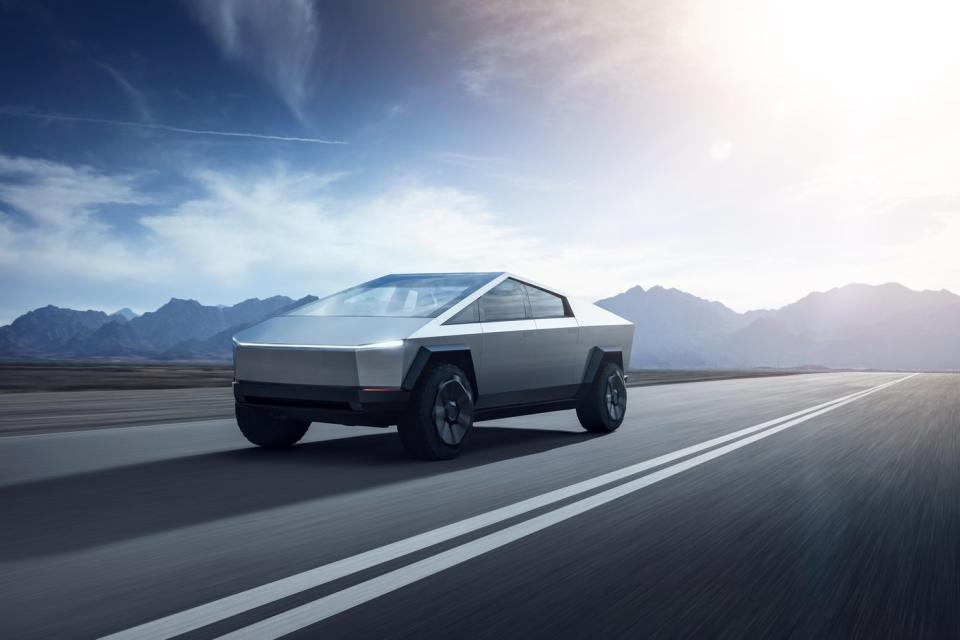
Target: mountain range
[[856, 326], [179, 330]]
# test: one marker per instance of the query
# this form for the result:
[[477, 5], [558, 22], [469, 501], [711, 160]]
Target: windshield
[[424, 295]]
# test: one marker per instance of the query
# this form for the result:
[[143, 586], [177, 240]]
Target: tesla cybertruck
[[431, 353]]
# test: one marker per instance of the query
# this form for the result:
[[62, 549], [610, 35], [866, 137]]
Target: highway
[[824, 505]]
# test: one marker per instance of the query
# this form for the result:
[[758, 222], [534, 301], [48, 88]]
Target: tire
[[269, 430], [602, 409], [440, 416]]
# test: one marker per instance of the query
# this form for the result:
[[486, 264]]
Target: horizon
[[222, 151], [140, 312]]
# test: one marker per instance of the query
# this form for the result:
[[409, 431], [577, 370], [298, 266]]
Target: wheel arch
[[455, 354], [597, 357]]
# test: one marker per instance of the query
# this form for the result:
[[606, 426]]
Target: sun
[[860, 55]]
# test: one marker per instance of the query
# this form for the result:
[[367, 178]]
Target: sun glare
[[849, 54]]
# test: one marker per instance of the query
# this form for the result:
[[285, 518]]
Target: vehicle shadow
[[99, 507]]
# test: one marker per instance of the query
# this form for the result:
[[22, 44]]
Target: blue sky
[[745, 151]]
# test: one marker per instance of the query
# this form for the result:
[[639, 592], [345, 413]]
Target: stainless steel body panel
[[295, 366], [558, 352], [295, 330], [467, 335], [381, 367], [508, 360], [601, 328], [331, 351], [323, 367], [610, 336], [515, 361]]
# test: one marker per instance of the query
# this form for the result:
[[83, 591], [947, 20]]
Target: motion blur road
[[756, 507]]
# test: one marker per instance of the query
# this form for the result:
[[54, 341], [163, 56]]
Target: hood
[[329, 330]]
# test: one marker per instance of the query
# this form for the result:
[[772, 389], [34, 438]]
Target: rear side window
[[503, 302], [470, 313], [544, 304]]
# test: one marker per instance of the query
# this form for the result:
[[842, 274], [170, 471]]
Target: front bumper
[[368, 406], [358, 367]]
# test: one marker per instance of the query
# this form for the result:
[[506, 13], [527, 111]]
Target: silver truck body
[[360, 370]]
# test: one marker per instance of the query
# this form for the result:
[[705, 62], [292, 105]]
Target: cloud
[[54, 242], [496, 168], [276, 230], [164, 127], [55, 196], [136, 96], [272, 231], [285, 226], [284, 229], [564, 45], [278, 39]]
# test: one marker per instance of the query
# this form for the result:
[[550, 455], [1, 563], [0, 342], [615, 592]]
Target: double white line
[[330, 605]]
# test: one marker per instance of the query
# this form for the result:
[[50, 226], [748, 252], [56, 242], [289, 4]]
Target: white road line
[[214, 611], [327, 606]]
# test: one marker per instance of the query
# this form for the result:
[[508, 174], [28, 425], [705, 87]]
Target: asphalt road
[[78, 396], [734, 508]]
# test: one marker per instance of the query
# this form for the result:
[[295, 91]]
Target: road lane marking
[[327, 606], [214, 611]]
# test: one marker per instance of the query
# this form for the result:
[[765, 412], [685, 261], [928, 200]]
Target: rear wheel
[[602, 409], [266, 429], [440, 415]]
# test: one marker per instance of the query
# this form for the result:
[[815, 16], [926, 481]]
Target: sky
[[747, 151]]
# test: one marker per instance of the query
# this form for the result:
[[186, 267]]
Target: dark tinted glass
[[503, 302], [467, 315], [544, 304]]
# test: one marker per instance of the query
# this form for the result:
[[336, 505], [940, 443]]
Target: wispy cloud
[[244, 233], [564, 45], [163, 127], [283, 226], [136, 96], [278, 39], [496, 168], [59, 197], [53, 237], [272, 229]]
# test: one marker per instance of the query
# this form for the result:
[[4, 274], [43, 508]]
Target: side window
[[503, 302], [468, 314], [544, 304]]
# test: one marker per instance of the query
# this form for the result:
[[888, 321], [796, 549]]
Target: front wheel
[[266, 429], [602, 408], [440, 415]]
